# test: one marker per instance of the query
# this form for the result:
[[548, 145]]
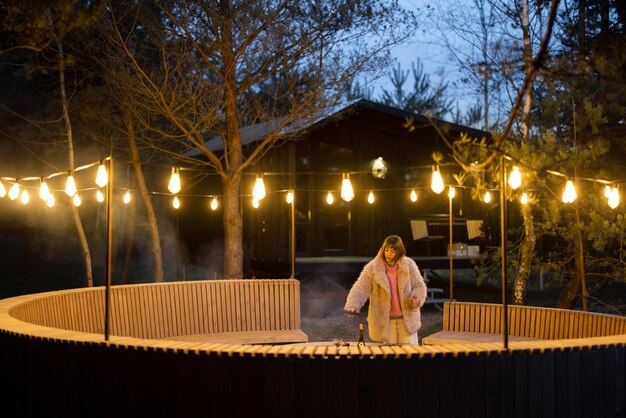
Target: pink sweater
[[395, 311]]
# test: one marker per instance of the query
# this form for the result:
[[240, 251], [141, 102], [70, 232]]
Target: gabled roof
[[256, 132]]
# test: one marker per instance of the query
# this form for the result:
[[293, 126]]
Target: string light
[[289, 198], [330, 198], [176, 203], [371, 198], [569, 194], [99, 196], [347, 192], [436, 183], [258, 191], [255, 203], [174, 183], [214, 203], [487, 197], [127, 197], [25, 198], [76, 200], [44, 190], [14, 191], [524, 198], [70, 185], [451, 192], [613, 200], [413, 195], [102, 178], [515, 178], [50, 201], [3, 191], [607, 191]]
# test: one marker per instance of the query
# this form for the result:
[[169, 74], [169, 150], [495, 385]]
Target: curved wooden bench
[[61, 373], [254, 311], [482, 322]]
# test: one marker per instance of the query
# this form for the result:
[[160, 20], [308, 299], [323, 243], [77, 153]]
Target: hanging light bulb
[[102, 178], [330, 198], [3, 191], [99, 196], [289, 197], [255, 203], [127, 197], [451, 192], [524, 199], [76, 200], [379, 168], [487, 197], [515, 178], [174, 184], [607, 191], [371, 198], [176, 202], [70, 185], [14, 191], [214, 203], [44, 190], [413, 195], [569, 194], [614, 199], [25, 198], [347, 192], [436, 183], [258, 191], [50, 201]]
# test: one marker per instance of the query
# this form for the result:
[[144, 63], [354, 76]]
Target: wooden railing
[[235, 311]]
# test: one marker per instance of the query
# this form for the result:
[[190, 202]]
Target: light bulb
[[3, 191], [50, 201], [44, 190], [436, 183], [76, 200], [614, 199], [14, 191], [255, 203], [127, 197], [569, 194], [413, 196], [176, 202], [379, 168], [258, 191], [524, 198], [25, 198], [487, 197], [607, 191], [347, 192], [289, 197], [515, 178], [370, 198], [330, 198], [214, 203], [174, 184], [102, 178], [99, 196], [451, 192], [70, 186]]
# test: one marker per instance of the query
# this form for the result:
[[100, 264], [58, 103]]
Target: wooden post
[[109, 245], [503, 228]]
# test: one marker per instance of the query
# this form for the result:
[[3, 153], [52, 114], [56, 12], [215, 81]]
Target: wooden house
[[348, 142]]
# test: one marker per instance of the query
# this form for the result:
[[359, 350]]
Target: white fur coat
[[374, 284]]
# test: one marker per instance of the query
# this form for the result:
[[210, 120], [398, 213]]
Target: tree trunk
[[233, 229], [570, 293], [157, 254], [82, 237], [129, 227], [575, 285], [527, 253]]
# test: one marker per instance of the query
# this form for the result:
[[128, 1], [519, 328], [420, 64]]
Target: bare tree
[[228, 64]]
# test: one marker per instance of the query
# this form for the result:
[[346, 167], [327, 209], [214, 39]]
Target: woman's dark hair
[[394, 242]]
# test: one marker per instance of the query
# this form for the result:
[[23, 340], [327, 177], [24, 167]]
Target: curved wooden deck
[[49, 371]]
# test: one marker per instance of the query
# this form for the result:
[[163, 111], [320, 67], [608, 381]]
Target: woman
[[396, 291]]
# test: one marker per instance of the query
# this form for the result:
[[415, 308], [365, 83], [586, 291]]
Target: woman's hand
[[415, 302], [350, 311]]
